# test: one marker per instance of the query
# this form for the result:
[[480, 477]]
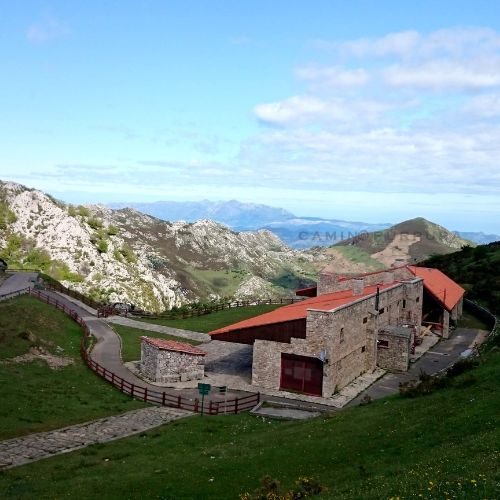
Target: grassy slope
[[477, 269], [131, 340], [36, 398], [359, 256], [215, 320], [444, 445], [434, 239]]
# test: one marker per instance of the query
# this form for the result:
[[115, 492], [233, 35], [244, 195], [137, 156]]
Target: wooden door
[[301, 374]]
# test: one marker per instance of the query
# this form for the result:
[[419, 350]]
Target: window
[[384, 344], [381, 311], [341, 335], [418, 299], [363, 349], [404, 303], [365, 319]]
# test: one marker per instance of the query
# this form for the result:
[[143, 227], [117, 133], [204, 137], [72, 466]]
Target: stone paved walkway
[[26, 449], [176, 332]]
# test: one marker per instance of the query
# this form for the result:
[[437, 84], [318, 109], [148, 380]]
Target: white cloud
[[483, 106], [332, 76], [304, 109], [412, 44], [399, 44], [46, 30], [445, 74]]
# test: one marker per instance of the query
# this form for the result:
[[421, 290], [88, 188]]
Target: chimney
[[358, 286], [388, 277]]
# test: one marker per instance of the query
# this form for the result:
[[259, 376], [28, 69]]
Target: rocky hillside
[[407, 242], [124, 255]]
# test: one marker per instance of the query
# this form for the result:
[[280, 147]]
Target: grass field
[[214, 320], [359, 256], [443, 445], [131, 340], [35, 397], [470, 321]]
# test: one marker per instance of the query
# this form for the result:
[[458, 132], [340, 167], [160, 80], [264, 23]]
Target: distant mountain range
[[236, 215], [296, 232]]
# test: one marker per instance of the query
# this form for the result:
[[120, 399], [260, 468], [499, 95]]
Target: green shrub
[[94, 223], [72, 212], [83, 211], [128, 254], [112, 230], [7, 216], [270, 489], [102, 246]]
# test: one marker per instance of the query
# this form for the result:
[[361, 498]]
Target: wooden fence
[[106, 311], [146, 394]]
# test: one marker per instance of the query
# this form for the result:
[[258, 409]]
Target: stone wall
[[394, 348], [347, 334], [163, 366], [330, 282]]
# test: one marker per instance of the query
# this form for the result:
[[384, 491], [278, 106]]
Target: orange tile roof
[[443, 288], [297, 311], [172, 345]]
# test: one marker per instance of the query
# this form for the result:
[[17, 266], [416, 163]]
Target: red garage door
[[301, 374]]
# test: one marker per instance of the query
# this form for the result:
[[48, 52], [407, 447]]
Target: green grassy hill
[[434, 239], [476, 269], [35, 397], [442, 445]]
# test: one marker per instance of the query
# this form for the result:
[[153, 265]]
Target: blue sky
[[361, 110]]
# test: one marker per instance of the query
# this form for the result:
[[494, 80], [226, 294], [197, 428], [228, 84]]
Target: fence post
[[236, 406], [145, 394], [179, 400], [196, 403], [113, 378], [132, 390], [210, 408], [163, 399]]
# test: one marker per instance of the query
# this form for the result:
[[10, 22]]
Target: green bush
[[83, 211], [95, 223], [102, 246], [128, 254], [112, 230]]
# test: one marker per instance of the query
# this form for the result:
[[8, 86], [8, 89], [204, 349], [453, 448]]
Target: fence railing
[[146, 394], [10, 295], [191, 313], [57, 287]]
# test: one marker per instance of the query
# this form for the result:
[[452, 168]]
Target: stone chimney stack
[[358, 286]]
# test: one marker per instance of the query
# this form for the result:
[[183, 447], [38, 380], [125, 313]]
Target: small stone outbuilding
[[167, 361], [3, 266], [394, 344]]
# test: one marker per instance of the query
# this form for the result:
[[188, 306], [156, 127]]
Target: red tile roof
[[172, 345], [297, 311], [443, 288]]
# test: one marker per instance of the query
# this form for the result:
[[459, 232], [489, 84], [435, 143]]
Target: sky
[[357, 110]]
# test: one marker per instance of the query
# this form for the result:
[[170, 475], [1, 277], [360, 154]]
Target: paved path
[[440, 356], [17, 281], [19, 451], [176, 332]]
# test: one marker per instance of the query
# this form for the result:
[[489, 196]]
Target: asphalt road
[[17, 281], [440, 356]]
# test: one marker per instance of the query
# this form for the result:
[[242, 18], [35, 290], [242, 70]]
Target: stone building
[[443, 298], [394, 345], [321, 344], [167, 361], [3, 266]]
